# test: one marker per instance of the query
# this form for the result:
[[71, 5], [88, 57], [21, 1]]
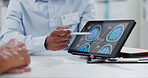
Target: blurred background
[[115, 9]]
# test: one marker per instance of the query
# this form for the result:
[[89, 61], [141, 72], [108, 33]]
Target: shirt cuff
[[38, 44]]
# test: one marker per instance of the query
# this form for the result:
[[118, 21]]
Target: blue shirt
[[31, 21]]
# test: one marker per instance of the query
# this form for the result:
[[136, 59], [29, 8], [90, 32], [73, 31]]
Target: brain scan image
[[84, 48], [95, 33], [115, 34], [107, 49]]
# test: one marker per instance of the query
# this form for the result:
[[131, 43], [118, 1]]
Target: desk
[[64, 65]]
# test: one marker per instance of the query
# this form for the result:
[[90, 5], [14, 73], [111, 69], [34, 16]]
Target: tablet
[[106, 39]]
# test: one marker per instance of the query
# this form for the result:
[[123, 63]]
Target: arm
[[13, 28], [88, 13]]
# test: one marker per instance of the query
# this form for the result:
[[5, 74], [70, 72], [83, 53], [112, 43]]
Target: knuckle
[[52, 38], [58, 27], [23, 45], [68, 41], [25, 50], [54, 32], [66, 27], [66, 46], [70, 37]]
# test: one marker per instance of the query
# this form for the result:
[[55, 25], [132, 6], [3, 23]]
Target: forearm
[[14, 29], [34, 44]]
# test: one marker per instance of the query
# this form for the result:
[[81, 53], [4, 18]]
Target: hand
[[12, 55], [58, 39], [19, 70]]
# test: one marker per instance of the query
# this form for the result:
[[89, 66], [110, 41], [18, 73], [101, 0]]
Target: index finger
[[60, 32], [61, 27]]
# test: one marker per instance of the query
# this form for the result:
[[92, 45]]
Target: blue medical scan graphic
[[95, 33], [84, 48], [107, 49], [115, 34]]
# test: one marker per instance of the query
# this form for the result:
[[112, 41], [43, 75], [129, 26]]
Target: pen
[[80, 33]]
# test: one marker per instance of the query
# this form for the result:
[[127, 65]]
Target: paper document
[[132, 50]]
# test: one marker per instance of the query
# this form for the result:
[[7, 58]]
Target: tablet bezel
[[119, 45]]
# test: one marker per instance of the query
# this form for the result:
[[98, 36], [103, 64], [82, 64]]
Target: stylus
[[80, 33]]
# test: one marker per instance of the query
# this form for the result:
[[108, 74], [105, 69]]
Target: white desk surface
[[64, 65]]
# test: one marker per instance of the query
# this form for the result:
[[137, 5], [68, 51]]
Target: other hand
[[13, 54]]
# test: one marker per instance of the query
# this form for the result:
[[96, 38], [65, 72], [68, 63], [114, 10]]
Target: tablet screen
[[106, 38]]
